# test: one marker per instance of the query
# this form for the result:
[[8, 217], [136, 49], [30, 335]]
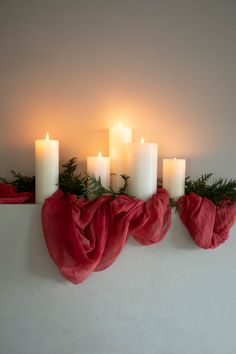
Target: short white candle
[[119, 137], [46, 168], [174, 176], [142, 169], [99, 166]]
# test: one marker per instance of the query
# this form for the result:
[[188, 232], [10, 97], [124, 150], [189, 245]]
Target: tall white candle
[[174, 176], [119, 137], [46, 168], [142, 169], [99, 166]]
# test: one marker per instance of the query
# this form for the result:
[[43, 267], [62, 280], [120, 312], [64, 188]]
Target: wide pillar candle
[[99, 166], [174, 177], [119, 137], [46, 168], [142, 169]]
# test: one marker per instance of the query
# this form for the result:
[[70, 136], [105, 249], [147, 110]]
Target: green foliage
[[216, 191], [81, 185], [96, 189], [3, 180], [85, 185], [71, 182], [20, 182]]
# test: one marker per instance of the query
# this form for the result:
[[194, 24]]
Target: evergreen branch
[[70, 167], [70, 182], [216, 191], [85, 185], [21, 183], [95, 188], [3, 180]]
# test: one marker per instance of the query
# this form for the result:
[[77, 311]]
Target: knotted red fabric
[[83, 235], [207, 223], [8, 195]]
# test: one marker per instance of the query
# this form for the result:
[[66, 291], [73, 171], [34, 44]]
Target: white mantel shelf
[[169, 298]]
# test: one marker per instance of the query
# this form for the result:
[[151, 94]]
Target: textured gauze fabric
[[83, 235], [8, 195], [207, 223]]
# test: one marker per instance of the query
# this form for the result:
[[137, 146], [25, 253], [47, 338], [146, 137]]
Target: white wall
[[73, 68], [170, 298]]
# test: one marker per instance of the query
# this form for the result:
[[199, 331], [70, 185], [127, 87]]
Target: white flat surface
[[168, 298]]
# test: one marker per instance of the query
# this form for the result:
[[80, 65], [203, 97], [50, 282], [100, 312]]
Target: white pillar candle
[[142, 169], [119, 137], [174, 176], [99, 166], [46, 168]]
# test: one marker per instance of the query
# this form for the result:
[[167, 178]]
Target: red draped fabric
[[8, 195], [207, 223], [83, 235]]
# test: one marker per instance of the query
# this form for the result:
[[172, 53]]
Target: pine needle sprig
[[3, 180], [71, 182], [85, 185], [81, 185], [20, 182], [199, 185], [216, 191], [95, 188], [23, 183]]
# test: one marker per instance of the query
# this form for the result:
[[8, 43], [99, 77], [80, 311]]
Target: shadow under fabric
[[83, 235]]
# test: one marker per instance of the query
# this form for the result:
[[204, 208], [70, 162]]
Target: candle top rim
[[139, 143], [116, 126], [173, 158], [99, 157], [47, 140]]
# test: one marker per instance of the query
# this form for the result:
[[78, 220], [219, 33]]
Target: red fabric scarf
[[207, 223], [83, 235], [8, 195]]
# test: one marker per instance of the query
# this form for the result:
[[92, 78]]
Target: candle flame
[[99, 154], [47, 137], [119, 125], [142, 141], [174, 158]]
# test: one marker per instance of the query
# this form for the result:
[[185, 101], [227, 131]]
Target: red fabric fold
[[151, 220], [8, 195], [83, 236], [207, 223], [121, 210], [75, 233]]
